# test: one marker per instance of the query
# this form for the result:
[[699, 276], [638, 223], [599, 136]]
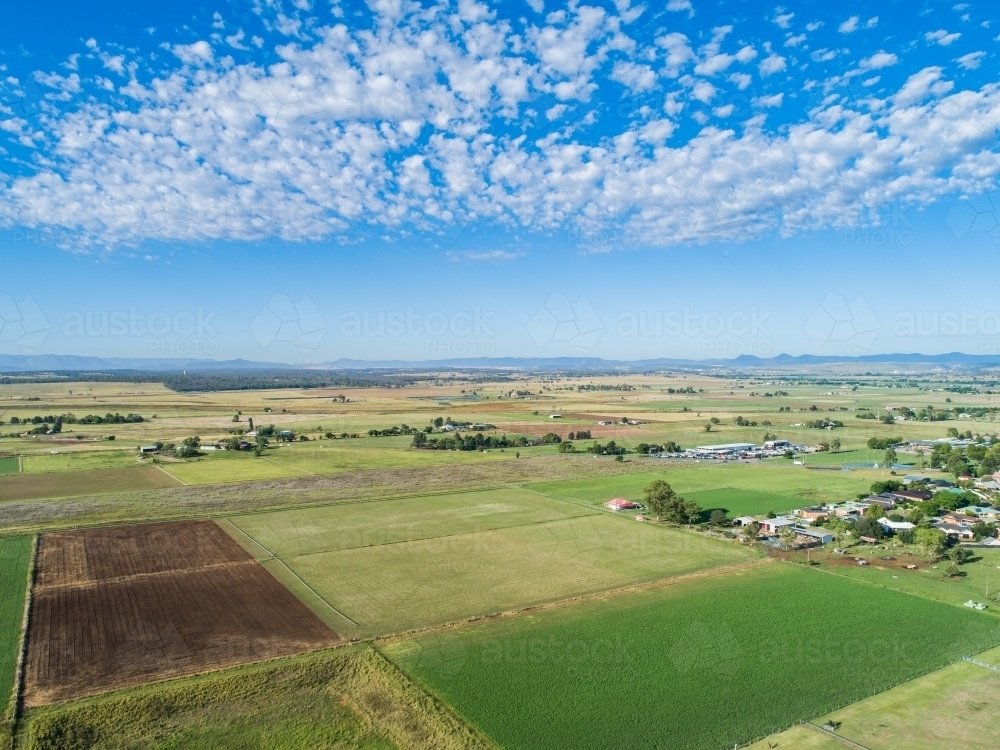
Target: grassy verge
[[15, 558], [345, 698]]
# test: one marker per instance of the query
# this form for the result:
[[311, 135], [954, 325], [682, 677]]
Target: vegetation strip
[[835, 736]]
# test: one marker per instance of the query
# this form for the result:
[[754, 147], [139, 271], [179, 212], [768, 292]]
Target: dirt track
[[122, 606]]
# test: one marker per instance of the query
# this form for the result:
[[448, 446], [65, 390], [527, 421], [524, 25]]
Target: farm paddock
[[117, 607]]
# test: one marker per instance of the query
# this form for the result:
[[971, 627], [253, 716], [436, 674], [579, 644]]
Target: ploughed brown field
[[117, 607]]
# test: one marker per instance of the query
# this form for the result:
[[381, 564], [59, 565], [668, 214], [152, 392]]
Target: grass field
[[981, 575], [952, 707], [78, 460], [392, 566], [9, 465], [347, 698], [73, 483], [702, 664], [745, 488], [328, 457], [15, 553]]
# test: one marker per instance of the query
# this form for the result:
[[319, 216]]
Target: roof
[[620, 502], [895, 525], [727, 447]]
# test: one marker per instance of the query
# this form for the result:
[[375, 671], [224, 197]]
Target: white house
[[774, 525], [895, 525]]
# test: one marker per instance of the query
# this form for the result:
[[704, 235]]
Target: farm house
[[620, 503]]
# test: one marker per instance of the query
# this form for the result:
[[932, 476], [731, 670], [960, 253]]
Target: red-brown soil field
[[122, 606]]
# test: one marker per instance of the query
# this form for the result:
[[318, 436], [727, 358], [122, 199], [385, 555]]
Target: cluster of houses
[[956, 524]]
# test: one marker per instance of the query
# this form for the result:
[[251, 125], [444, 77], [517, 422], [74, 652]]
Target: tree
[[751, 531], [667, 505], [869, 527], [718, 518], [874, 511], [890, 458], [835, 445], [930, 541], [708, 427], [959, 554]]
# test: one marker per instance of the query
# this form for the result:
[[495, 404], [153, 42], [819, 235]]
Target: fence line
[[994, 667]]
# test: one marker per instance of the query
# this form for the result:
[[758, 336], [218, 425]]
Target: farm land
[[15, 553], [452, 566], [120, 606]]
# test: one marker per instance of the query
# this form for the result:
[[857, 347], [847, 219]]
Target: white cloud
[[880, 59], [742, 80], [813, 25], [849, 26], [773, 64], [942, 37], [971, 61], [784, 20], [774, 100], [680, 5], [193, 54], [679, 52], [872, 22], [635, 77], [411, 126], [795, 41], [537, 5], [746, 54], [703, 91]]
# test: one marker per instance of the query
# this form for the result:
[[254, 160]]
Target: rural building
[[725, 449], [777, 445], [147, 449], [812, 513], [981, 512], [887, 501], [620, 503], [745, 521], [774, 525], [821, 535]]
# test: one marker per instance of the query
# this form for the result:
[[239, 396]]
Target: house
[[989, 541], [148, 449], [812, 513], [745, 521], [912, 496], [620, 503], [555, 416], [774, 525], [910, 478], [887, 501], [981, 512], [956, 531], [895, 525], [943, 484]]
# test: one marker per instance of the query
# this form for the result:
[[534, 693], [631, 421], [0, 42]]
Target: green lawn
[[743, 485], [952, 707], [15, 554], [702, 664], [346, 698], [9, 465], [981, 575], [396, 565]]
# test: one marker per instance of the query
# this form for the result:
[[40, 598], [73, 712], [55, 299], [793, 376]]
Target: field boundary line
[[570, 601], [834, 735], [14, 707], [118, 580], [296, 575], [178, 479], [289, 466], [979, 663]]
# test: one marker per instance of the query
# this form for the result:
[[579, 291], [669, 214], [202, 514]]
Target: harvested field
[[117, 607], [73, 483]]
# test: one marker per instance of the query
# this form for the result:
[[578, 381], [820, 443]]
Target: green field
[[9, 465], [15, 554], [981, 574], [346, 698], [71, 483], [395, 565], [952, 707], [703, 664], [746, 488], [78, 460]]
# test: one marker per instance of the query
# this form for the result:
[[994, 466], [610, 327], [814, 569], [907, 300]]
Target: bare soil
[[118, 607]]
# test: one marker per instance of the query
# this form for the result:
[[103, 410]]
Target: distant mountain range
[[12, 363]]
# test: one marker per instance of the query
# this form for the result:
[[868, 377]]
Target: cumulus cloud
[[880, 59], [849, 26], [942, 37], [409, 125], [772, 64], [971, 61], [677, 6]]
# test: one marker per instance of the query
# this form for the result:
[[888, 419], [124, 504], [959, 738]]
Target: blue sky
[[304, 181]]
